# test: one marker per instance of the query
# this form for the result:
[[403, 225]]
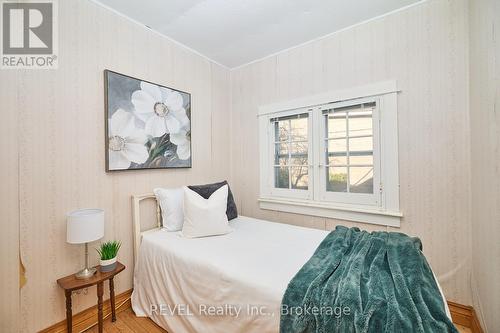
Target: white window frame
[[290, 193], [348, 198], [382, 207]]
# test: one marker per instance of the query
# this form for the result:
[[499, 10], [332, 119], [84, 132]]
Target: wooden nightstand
[[70, 283]]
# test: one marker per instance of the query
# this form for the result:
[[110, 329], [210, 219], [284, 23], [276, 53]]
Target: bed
[[229, 283]]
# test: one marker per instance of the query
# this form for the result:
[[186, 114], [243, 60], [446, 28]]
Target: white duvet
[[222, 284]]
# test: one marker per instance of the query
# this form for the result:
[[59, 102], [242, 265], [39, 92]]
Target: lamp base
[[86, 273]]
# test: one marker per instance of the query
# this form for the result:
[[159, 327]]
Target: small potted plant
[[107, 253]]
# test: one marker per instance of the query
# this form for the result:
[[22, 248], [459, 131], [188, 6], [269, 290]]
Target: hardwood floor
[[128, 322], [460, 328]]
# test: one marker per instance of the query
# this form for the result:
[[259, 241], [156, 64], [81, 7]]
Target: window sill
[[335, 211]]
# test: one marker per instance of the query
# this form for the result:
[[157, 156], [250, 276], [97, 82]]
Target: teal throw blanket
[[358, 281]]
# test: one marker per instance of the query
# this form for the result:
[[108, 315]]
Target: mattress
[[231, 283]]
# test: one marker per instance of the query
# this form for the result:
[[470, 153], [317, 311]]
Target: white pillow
[[205, 217], [171, 203]]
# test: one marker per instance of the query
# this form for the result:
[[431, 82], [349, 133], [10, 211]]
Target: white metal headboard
[[136, 220]]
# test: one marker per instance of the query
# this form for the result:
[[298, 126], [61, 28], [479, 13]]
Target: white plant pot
[[108, 265]]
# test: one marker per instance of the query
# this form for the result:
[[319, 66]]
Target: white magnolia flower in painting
[[160, 108], [126, 142], [182, 140]]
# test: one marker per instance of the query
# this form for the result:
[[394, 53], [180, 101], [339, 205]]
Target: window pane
[[337, 159], [337, 146], [280, 153], [281, 177], [336, 126], [361, 179], [291, 151], [366, 160], [281, 130], [299, 161], [300, 177], [349, 148], [360, 125], [281, 148], [336, 179], [282, 161], [299, 147], [361, 144], [298, 129]]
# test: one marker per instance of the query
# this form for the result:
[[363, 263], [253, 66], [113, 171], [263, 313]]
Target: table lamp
[[85, 226]]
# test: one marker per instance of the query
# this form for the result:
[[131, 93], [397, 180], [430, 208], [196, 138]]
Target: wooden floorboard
[[128, 322], [463, 329]]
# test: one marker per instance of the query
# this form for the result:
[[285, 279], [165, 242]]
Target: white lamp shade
[[84, 226]]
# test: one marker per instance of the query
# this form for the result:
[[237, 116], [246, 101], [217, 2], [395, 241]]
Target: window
[[291, 156], [351, 152], [336, 159], [291, 152]]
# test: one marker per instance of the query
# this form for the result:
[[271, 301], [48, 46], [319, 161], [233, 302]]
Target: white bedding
[[230, 283]]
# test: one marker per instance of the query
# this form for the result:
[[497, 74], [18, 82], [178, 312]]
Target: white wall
[[53, 120], [425, 49], [485, 153]]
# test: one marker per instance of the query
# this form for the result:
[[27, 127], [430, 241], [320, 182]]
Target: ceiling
[[236, 32]]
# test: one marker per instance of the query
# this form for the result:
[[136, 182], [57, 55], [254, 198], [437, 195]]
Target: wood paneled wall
[[9, 201], [52, 138], [485, 148], [54, 120], [425, 48]]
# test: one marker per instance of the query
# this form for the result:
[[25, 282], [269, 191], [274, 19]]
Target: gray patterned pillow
[[206, 191]]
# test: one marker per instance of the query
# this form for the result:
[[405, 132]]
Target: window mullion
[[316, 137], [347, 153], [289, 154]]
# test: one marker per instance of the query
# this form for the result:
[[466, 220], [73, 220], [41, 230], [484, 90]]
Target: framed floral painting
[[148, 126]]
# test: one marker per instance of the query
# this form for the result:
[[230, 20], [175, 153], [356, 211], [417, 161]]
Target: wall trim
[[465, 315], [88, 317], [339, 95], [476, 303], [333, 211]]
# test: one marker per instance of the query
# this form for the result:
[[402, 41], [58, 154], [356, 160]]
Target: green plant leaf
[[109, 250]]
